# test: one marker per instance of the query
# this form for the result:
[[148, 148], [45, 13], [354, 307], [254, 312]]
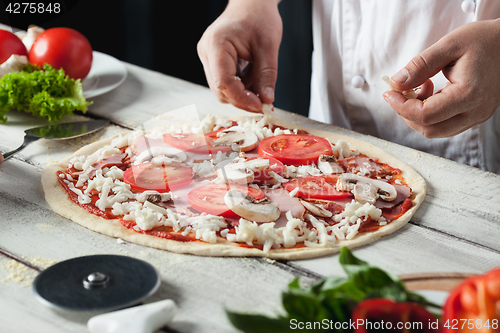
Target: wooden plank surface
[[202, 287]]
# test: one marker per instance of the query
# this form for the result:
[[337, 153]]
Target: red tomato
[[274, 165], [195, 143], [161, 178], [369, 316], [474, 305], [316, 187], [63, 48], [210, 198], [10, 44], [295, 149]]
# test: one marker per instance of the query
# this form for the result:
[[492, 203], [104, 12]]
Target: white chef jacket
[[358, 41]]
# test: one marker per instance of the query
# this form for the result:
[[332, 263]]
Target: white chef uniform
[[358, 41]]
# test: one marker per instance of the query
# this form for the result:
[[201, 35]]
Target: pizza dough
[[59, 201]]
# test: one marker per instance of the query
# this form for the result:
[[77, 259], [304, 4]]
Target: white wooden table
[[457, 229]]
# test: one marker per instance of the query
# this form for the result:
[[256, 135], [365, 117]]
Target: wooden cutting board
[[433, 281]]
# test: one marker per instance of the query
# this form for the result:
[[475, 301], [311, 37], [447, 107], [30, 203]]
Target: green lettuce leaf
[[47, 93]]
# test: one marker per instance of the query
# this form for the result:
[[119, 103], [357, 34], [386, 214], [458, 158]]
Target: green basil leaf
[[339, 308], [365, 276], [304, 306], [295, 284], [349, 261], [392, 291], [368, 278], [325, 284], [348, 290], [257, 323]]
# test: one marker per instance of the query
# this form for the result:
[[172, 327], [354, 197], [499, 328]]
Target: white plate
[[435, 296], [106, 74]]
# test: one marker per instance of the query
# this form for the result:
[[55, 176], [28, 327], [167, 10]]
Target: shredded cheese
[[148, 211]]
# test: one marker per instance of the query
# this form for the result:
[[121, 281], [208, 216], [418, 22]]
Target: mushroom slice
[[238, 138], [159, 155], [236, 172], [366, 189], [328, 165], [257, 164], [251, 209], [316, 209]]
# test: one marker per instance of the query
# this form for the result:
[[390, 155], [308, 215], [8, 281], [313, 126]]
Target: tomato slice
[[384, 313], [477, 300], [295, 149], [317, 187], [195, 142], [161, 178], [210, 198], [274, 165]]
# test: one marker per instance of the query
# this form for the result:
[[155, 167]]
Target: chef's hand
[[247, 32], [470, 59], [1, 158]]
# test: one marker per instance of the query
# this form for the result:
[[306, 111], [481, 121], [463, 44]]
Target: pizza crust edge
[[59, 202]]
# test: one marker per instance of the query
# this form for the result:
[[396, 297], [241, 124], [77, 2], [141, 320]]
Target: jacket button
[[468, 6], [358, 81]]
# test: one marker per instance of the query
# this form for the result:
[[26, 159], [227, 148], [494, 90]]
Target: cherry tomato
[[295, 149], [10, 44], [274, 165], [161, 178], [195, 143], [210, 198], [63, 48], [372, 313], [316, 187], [474, 301]]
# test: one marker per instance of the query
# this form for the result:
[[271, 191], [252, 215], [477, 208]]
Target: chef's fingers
[[217, 92], [206, 68], [1, 158], [221, 63], [427, 64], [246, 77], [425, 90], [445, 129], [431, 111], [223, 67], [265, 71]]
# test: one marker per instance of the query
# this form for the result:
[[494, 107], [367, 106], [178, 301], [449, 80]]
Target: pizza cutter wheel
[[96, 283]]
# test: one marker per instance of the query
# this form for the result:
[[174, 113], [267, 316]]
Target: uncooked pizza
[[251, 186]]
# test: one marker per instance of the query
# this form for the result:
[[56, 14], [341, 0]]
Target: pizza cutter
[[106, 283], [96, 283]]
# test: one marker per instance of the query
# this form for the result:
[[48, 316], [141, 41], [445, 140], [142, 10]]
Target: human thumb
[[423, 66]]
